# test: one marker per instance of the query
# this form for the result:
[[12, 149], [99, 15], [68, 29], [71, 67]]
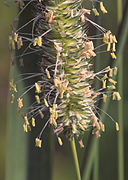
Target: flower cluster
[[65, 89]]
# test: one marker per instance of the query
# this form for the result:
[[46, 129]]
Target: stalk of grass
[[96, 162], [86, 171], [75, 157], [121, 43], [120, 104]]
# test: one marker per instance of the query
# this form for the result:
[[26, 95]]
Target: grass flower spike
[[65, 89]]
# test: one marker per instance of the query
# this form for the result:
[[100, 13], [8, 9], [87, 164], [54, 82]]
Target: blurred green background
[[6, 16], [63, 168]]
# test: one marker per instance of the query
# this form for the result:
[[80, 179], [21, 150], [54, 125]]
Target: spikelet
[[113, 55]]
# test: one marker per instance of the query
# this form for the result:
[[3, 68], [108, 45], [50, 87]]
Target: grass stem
[[96, 162], [75, 157], [120, 104]]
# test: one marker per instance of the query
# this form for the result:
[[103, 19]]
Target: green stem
[[119, 11], [96, 162], [75, 157], [90, 159], [120, 104], [120, 120]]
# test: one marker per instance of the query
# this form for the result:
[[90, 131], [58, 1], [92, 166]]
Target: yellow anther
[[38, 89], [109, 46], [102, 8], [48, 74], [111, 87], [102, 126], [82, 17], [37, 99], [50, 110], [110, 73], [104, 98], [29, 128], [56, 115], [86, 11], [96, 13], [46, 103], [50, 17], [115, 71], [51, 120], [105, 39], [105, 77], [74, 129], [25, 127], [12, 86], [96, 94], [12, 98], [81, 143], [39, 41], [61, 94], [33, 122], [53, 113], [54, 122], [112, 81], [38, 142], [97, 125], [83, 122], [116, 96], [10, 40], [41, 114], [91, 52], [60, 141], [15, 37], [13, 45], [35, 42], [111, 38], [20, 41], [107, 68], [113, 47], [117, 126], [103, 84], [55, 106], [26, 120], [20, 102], [18, 45], [81, 127], [113, 55], [114, 39], [57, 81]]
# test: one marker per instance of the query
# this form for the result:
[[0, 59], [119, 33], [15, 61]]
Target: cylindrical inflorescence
[[65, 89]]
